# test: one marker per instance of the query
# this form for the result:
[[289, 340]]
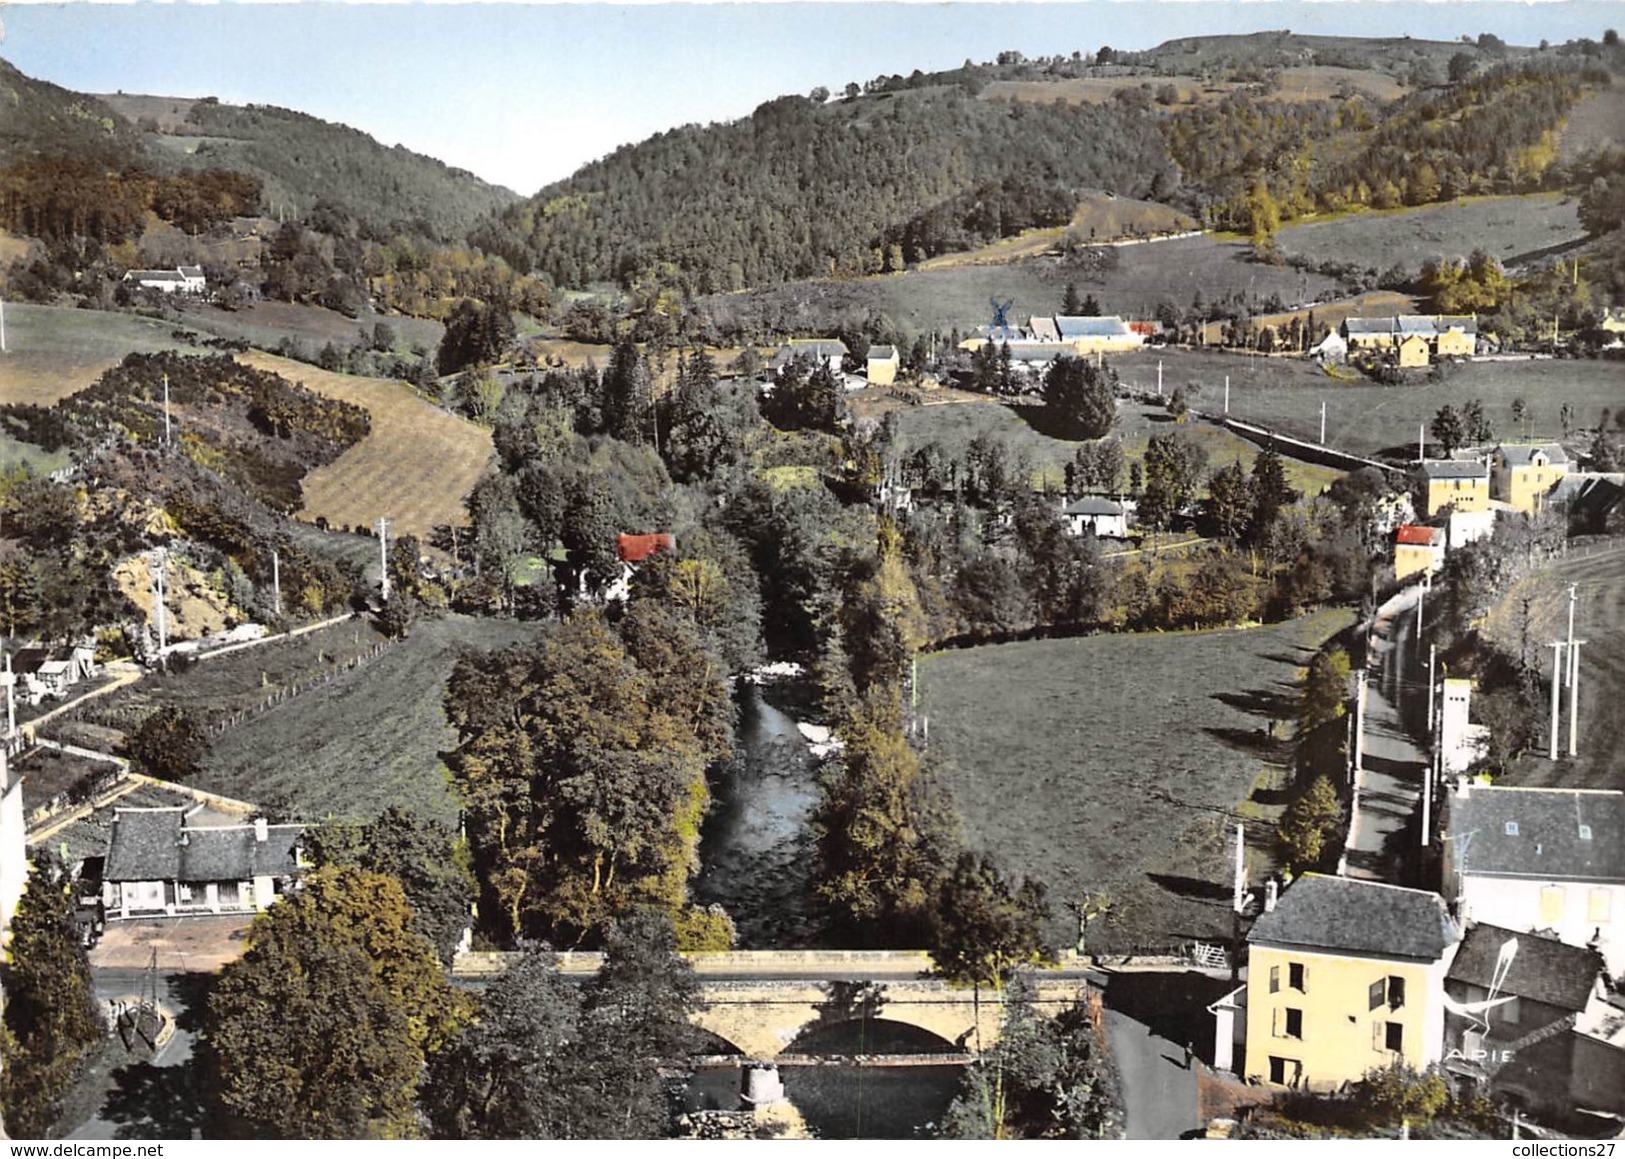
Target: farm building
[[1104, 518], [37, 674], [180, 280], [1412, 352], [1103, 335], [1417, 551], [1551, 860], [1523, 475], [1460, 484], [883, 364], [1442, 336], [1346, 976], [159, 861], [1332, 349], [1595, 500]]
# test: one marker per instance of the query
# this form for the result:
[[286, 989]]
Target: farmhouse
[[829, 351], [1551, 860], [38, 674], [1412, 352], [1103, 335], [883, 363], [159, 861], [1523, 475], [1513, 1002], [1345, 976], [1595, 501], [1417, 551], [181, 280], [1463, 485], [1455, 336], [1104, 518]]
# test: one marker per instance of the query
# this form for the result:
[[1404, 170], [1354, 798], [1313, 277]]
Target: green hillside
[[43, 120]]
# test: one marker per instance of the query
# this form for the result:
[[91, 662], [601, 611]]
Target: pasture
[[1304, 83], [1098, 217], [1597, 122], [370, 739], [266, 324], [1122, 763], [1369, 419], [1535, 611], [53, 351], [416, 466], [1504, 227]]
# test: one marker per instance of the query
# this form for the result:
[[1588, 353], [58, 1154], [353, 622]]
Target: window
[[1599, 905], [1284, 1071], [1396, 991], [1294, 1023], [1297, 977], [1508, 1012], [1379, 993], [1393, 1037], [1275, 979], [1551, 905], [1585, 833], [1511, 828]]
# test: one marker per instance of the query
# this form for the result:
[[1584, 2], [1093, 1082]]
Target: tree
[[320, 1030], [1520, 412], [1448, 429], [985, 927], [428, 859], [1461, 67], [1097, 466], [1173, 470], [1270, 495], [1071, 304], [1230, 500], [477, 332], [169, 744], [51, 1020], [1078, 399], [549, 1058], [1309, 824], [1325, 689]]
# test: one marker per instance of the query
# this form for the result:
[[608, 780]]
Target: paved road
[[154, 1100], [1159, 1085], [1389, 785]]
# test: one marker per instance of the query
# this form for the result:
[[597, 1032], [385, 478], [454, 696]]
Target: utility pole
[[1421, 443], [2, 325], [1323, 422], [383, 556], [1427, 802], [160, 594], [1574, 676], [1433, 656], [167, 439], [1159, 378], [276, 582], [11, 702], [1227, 394], [1557, 679], [1359, 722]]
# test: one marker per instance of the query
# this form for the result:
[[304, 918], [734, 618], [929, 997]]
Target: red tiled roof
[[637, 548], [1417, 536]]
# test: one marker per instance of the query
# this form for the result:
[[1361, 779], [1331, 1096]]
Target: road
[[1388, 786], [1158, 1080]]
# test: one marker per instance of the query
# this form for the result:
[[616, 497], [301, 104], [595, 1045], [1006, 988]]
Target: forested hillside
[[303, 160], [802, 187], [43, 120]]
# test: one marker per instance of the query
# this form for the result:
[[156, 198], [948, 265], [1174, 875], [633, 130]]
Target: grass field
[[1595, 123], [265, 325], [416, 466], [54, 351], [1099, 217], [1365, 418], [1120, 762], [1504, 227], [370, 739], [1599, 620]]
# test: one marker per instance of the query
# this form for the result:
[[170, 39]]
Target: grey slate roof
[[1455, 469], [1044, 329], [1368, 325], [1416, 324], [1519, 454], [1074, 326], [1344, 915], [1549, 838], [816, 348], [1038, 351], [1542, 969], [1093, 505], [158, 845], [882, 352]]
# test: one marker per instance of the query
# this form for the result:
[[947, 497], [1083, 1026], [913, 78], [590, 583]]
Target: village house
[[37, 674], [181, 280], [1513, 1002], [1367, 333], [1460, 484], [829, 351], [1462, 743], [1455, 336], [1346, 976], [1412, 352], [1594, 501], [1104, 518], [883, 364], [1417, 551], [1613, 322], [160, 862], [1548, 860], [1415, 339], [1523, 475]]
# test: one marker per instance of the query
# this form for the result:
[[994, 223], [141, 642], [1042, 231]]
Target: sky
[[523, 94]]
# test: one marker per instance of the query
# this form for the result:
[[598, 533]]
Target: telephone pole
[[160, 590], [1557, 680], [2, 326], [276, 582], [167, 438], [1323, 422], [1433, 656], [383, 556]]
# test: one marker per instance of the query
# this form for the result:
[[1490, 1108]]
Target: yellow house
[[1461, 484], [1613, 320], [1346, 976], [1368, 333], [1457, 336], [1413, 351], [1417, 551], [882, 365], [1524, 475]]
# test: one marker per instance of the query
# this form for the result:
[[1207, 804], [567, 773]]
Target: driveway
[[183, 945]]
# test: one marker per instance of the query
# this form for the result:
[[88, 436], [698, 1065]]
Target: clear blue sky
[[522, 94]]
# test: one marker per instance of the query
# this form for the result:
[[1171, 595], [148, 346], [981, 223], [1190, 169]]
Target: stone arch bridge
[[761, 1002]]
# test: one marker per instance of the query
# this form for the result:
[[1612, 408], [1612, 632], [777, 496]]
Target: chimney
[[262, 829], [1271, 895]]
